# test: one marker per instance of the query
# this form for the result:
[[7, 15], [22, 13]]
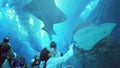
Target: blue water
[[27, 37]]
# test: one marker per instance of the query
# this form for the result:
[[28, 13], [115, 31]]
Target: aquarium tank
[[92, 25]]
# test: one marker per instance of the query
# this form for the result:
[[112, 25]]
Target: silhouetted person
[[35, 62], [6, 51], [43, 57], [19, 63]]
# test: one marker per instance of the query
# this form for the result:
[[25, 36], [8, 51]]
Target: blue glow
[[19, 26], [7, 5], [17, 19], [0, 14], [22, 30], [89, 8], [44, 39], [9, 11], [11, 17], [41, 24], [27, 30], [0, 3], [42, 32], [57, 3], [13, 11], [31, 21]]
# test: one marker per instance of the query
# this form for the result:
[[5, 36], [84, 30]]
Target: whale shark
[[47, 12]]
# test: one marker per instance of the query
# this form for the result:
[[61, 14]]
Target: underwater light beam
[[89, 8], [10, 13]]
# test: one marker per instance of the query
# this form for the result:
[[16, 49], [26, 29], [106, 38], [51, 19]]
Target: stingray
[[87, 36], [46, 11]]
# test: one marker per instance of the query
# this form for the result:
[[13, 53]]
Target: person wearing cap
[[6, 51]]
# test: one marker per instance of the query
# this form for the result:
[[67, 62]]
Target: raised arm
[[64, 58]]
